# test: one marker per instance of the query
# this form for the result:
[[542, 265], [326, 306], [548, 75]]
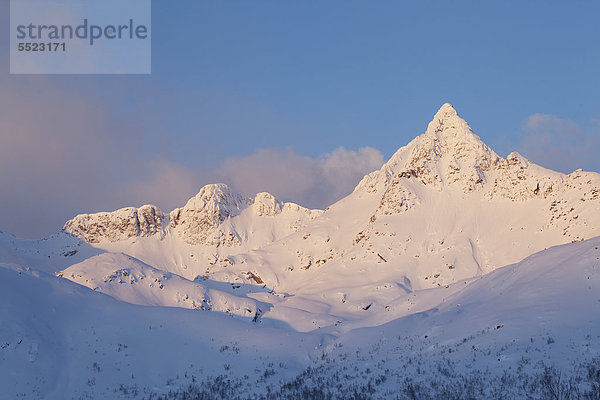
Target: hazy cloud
[[60, 155], [165, 184], [311, 182], [560, 144], [57, 155]]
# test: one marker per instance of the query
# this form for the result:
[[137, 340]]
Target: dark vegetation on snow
[[329, 382]]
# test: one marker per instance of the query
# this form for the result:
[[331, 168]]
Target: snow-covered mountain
[[429, 245], [215, 217], [444, 208]]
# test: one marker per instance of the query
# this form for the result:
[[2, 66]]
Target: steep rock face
[[396, 198], [576, 208], [117, 225], [198, 220]]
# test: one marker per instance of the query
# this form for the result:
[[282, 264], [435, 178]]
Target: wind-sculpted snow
[[128, 279]]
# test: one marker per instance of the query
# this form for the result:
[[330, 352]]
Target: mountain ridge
[[447, 153], [445, 208], [197, 221]]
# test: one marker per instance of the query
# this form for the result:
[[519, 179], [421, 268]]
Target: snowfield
[[451, 272]]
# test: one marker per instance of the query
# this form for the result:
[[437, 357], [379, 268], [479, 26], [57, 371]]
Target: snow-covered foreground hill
[[449, 271], [60, 340]]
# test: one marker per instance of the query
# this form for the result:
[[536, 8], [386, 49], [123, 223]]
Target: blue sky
[[241, 89]]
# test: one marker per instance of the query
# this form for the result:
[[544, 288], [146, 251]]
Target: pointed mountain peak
[[447, 152], [216, 196], [449, 134], [214, 191], [446, 111], [448, 123]]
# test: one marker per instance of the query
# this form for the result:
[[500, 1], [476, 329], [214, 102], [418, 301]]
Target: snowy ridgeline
[[411, 286], [204, 220]]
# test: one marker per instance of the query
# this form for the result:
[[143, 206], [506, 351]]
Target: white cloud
[[312, 182], [165, 183]]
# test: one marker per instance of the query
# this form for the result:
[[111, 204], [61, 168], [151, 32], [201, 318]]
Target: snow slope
[[49, 254], [128, 279], [67, 341]]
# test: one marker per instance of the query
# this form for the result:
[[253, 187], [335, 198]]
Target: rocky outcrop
[[198, 220], [396, 199], [265, 204], [449, 153], [117, 225], [207, 219]]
